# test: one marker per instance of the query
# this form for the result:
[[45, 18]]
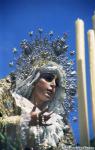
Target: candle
[[93, 21], [91, 45], [82, 95], [80, 39]]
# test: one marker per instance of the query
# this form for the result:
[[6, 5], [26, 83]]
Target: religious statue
[[39, 91]]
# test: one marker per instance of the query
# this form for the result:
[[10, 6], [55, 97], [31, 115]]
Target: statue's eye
[[57, 82], [49, 77]]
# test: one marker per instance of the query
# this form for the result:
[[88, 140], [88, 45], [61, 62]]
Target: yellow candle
[[93, 21], [80, 45], [91, 45], [82, 94]]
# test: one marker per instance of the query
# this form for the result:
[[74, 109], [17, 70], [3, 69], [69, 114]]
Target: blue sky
[[18, 17]]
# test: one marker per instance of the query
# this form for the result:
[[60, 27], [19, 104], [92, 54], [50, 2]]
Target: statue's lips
[[49, 93]]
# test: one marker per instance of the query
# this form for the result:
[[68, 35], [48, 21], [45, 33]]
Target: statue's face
[[45, 87]]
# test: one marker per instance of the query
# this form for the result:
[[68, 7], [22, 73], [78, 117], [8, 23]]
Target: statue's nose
[[53, 83]]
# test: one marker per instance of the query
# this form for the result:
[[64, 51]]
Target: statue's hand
[[40, 118], [47, 115]]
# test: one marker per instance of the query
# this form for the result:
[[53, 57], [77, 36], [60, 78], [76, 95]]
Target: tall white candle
[[82, 94], [91, 45], [93, 21]]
